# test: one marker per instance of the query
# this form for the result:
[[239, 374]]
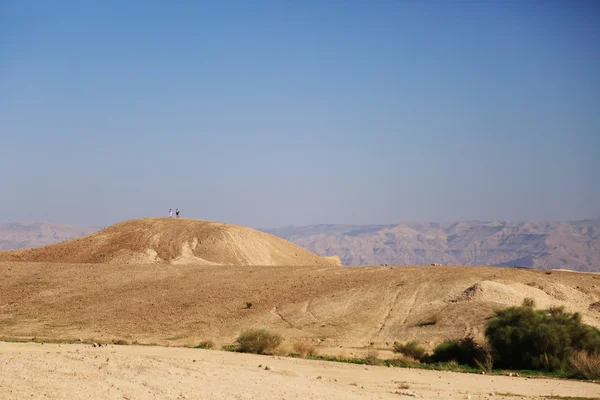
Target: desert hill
[[331, 306], [532, 244], [174, 240]]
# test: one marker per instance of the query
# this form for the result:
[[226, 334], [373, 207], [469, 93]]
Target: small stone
[[267, 368], [492, 394], [319, 377], [259, 365], [482, 372]]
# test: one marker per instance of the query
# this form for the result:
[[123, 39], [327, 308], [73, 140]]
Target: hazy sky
[[271, 113]]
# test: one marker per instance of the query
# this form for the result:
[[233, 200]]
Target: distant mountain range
[[532, 244], [17, 235]]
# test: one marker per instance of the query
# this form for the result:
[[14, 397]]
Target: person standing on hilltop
[[177, 213], [170, 213]]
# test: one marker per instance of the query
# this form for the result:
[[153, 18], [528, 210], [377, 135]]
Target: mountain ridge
[[531, 243]]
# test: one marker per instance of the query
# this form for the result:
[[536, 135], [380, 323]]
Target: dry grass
[[586, 365], [488, 363], [259, 341], [402, 359], [410, 349], [372, 357], [305, 349], [206, 344]]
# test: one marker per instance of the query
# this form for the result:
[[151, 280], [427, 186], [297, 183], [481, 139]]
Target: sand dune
[[182, 241]]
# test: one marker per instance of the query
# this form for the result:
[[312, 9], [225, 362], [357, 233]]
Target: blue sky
[[273, 113]]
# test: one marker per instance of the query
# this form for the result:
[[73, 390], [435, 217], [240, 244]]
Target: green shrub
[[464, 351], [525, 338], [410, 349], [259, 341]]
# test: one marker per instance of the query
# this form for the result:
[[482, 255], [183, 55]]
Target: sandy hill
[[173, 240], [332, 306]]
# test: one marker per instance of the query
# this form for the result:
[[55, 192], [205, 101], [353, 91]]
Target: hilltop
[[173, 240]]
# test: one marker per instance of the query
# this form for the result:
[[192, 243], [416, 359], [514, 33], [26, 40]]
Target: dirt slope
[[331, 306], [175, 240]]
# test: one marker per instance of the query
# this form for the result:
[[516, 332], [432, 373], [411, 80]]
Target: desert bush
[[526, 338], [488, 360], [259, 341], [305, 349], [372, 357], [464, 351], [401, 360], [586, 366], [410, 349], [206, 344]]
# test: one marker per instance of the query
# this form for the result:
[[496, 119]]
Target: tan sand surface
[[52, 371]]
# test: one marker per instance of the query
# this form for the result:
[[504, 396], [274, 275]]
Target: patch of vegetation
[[305, 349], [120, 342], [585, 366], [349, 360], [526, 338], [229, 347], [249, 304], [206, 344], [258, 341], [372, 357], [464, 351], [410, 349]]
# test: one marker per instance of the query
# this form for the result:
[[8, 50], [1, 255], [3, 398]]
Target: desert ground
[[146, 372], [347, 307], [175, 283]]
